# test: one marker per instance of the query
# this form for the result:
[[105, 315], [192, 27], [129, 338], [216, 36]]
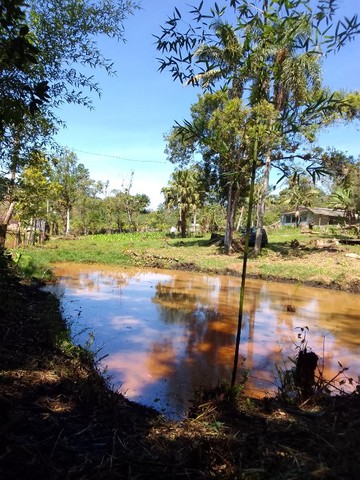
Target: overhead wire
[[118, 157]]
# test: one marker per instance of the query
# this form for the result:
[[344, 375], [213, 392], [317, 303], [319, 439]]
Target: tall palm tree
[[291, 80], [274, 71], [224, 61], [183, 193]]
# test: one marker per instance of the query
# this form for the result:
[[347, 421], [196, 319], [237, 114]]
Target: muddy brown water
[[166, 333]]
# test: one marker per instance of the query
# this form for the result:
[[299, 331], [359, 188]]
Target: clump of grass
[[304, 381], [28, 267]]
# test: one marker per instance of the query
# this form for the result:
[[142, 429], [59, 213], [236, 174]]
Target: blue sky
[[124, 133]]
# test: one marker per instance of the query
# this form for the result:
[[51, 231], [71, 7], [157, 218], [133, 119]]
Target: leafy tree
[[214, 133], [73, 179], [66, 35], [290, 80], [222, 131], [45, 48], [344, 199], [22, 90], [35, 191], [262, 26], [183, 193], [265, 57], [88, 215], [88, 211]]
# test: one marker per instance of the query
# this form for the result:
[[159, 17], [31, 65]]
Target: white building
[[318, 216]]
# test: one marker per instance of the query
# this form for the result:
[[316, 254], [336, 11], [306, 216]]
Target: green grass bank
[[59, 418], [313, 259]]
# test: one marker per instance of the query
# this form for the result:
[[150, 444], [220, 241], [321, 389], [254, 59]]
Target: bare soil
[[60, 420]]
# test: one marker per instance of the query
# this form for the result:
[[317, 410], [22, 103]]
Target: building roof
[[329, 212]]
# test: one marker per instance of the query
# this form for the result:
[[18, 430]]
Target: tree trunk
[[261, 206], [3, 229], [183, 223], [194, 223], [240, 218], [233, 198], [5, 223], [18, 236], [67, 230]]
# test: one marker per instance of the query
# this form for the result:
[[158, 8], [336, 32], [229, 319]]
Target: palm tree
[[344, 199], [290, 82], [184, 193], [300, 192], [276, 74], [224, 61]]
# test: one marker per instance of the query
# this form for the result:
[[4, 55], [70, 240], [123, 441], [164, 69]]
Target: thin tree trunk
[[9, 213], [194, 223], [240, 218], [18, 235], [261, 206], [67, 230], [5, 223], [244, 268], [233, 198], [183, 223]]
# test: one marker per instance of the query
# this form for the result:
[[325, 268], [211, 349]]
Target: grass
[[280, 261]]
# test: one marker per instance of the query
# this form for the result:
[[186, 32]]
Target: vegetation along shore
[[61, 419]]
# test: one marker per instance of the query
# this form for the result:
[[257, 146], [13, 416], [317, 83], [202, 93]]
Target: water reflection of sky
[[166, 334]]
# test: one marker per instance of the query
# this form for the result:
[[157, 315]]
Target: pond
[[165, 334]]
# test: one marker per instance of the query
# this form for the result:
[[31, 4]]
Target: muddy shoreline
[[59, 418]]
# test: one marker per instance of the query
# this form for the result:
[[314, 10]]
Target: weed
[[304, 380]]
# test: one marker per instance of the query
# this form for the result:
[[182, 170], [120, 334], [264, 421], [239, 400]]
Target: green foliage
[[66, 34], [22, 91], [184, 193], [44, 47], [300, 192], [269, 57], [29, 267], [344, 199]]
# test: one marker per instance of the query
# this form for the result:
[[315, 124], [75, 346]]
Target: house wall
[[307, 217], [290, 220]]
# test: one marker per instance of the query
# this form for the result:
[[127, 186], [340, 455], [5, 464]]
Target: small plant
[[304, 380]]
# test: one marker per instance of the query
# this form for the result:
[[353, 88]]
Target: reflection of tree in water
[[205, 330], [161, 358], [96, 280], [172, 302], [198, 316]]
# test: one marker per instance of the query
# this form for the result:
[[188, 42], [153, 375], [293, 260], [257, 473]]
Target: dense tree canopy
[[22, 88]]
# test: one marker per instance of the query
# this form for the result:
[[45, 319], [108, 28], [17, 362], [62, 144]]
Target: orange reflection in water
[[167, 333]]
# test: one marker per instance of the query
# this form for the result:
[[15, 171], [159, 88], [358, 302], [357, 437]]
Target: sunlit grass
[[279, 260]]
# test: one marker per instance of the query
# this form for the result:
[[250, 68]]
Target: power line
[[118, 157]]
